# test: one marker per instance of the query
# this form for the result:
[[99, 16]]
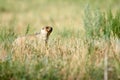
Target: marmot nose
[[51, 29]]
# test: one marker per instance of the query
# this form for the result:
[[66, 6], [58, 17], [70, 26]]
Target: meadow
[[84, 44]]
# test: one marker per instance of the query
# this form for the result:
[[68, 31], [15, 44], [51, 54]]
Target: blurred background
[[56, 13]]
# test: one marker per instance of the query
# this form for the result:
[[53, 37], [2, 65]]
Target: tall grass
[[103, 28], [76, 59], [100, 24]]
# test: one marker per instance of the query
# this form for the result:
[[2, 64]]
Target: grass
[[81, 37]]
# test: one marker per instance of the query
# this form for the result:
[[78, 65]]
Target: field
[[84, 44]]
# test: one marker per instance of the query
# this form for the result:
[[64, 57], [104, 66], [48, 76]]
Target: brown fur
[[38, 36], [38, 39]]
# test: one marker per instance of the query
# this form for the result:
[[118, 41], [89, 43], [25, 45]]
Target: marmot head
[[46, 30], [45, 33]]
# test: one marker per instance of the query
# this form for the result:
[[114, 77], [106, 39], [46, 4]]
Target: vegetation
[[82, 37]]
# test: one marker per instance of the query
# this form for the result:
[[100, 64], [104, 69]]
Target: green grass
[[98, 24], [81, 37]]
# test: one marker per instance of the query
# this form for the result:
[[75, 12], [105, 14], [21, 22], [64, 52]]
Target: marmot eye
[[47, 27], [42, 28]]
